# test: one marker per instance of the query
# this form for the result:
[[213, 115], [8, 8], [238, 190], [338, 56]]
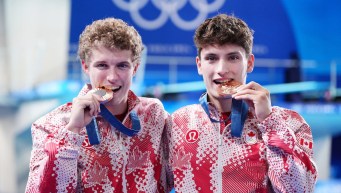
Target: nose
[[112, 75], [222, 67]]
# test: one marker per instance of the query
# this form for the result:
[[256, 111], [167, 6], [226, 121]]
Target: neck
[[117, 109], [222, 105]]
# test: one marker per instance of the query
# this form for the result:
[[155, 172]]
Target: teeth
[[110, 88], [114, 88], [222, 81]]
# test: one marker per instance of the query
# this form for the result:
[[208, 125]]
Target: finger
[[245, 94], [90, 97], [93, 109], [253, 86], [85, 104], [96, 104]]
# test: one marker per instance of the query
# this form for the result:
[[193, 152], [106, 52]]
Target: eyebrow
[[104, 61], [100, 61], [233, 53], [230, 53]]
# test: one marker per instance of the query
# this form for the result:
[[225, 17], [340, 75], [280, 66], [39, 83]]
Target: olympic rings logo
[[169, 9]]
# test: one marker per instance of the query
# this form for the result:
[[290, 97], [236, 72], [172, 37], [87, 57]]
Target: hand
[[83, 109], [257, 97]]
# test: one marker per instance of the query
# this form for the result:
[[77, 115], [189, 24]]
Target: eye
[[211, 58], [233, 58], [123, 65], [101, 65]]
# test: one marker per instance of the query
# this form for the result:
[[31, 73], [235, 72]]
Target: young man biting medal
[[234, 140], [108, 139]]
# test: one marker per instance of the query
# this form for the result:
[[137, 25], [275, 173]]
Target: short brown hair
[[224, 29], [110, 33]]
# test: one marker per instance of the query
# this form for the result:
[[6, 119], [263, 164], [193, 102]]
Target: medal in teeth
[[228, 88], [105, 94]]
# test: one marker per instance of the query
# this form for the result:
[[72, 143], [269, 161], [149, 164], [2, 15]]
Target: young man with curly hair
[[108, 139]]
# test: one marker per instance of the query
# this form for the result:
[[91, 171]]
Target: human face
[[113, 69], [218, 64]]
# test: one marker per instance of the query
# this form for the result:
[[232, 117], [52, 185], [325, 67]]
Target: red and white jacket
[[63, 161], [274, 155]]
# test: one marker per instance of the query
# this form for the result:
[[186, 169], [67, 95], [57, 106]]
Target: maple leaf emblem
[[97, 174], [138, 160], [181, 159], [251, 134], [250, 137]]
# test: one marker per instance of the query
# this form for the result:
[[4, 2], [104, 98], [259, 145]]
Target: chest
[[209, 141]]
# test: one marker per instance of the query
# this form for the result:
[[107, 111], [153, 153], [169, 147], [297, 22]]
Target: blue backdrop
[[310, 28], [167, 26]]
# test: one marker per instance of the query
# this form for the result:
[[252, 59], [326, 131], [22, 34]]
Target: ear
[[85, 67], [198, 62], [250, 63], [136, 67]]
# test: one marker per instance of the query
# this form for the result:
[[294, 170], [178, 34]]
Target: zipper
[[123, 150], [220, 157], [125, 160], [220, 165]]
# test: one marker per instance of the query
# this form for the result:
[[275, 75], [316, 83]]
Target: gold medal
[[228, 88], [105, 94]]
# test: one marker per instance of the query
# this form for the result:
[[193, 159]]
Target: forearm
[[166, 150]]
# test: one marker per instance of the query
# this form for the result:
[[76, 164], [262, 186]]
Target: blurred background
[[297, 48]]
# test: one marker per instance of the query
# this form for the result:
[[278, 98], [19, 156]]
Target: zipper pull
[[120, 141], [220, 140]]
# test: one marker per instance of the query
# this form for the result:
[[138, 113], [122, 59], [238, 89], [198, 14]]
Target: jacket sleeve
[[289, 144], [166, 150], [53, 164]]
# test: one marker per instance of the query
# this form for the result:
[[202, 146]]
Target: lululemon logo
[[169, 9], [192, 136]]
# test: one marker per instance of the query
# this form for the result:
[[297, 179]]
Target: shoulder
[[151, 102], [286, 114], [151, 106], [55, 118]]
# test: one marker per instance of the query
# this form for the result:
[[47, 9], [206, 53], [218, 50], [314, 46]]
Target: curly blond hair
[[110, 33], [224, 29]]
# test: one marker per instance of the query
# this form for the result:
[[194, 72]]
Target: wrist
[[73, 129]]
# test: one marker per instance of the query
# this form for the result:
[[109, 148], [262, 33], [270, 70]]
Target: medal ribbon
[[238, 114], [92, 128]]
